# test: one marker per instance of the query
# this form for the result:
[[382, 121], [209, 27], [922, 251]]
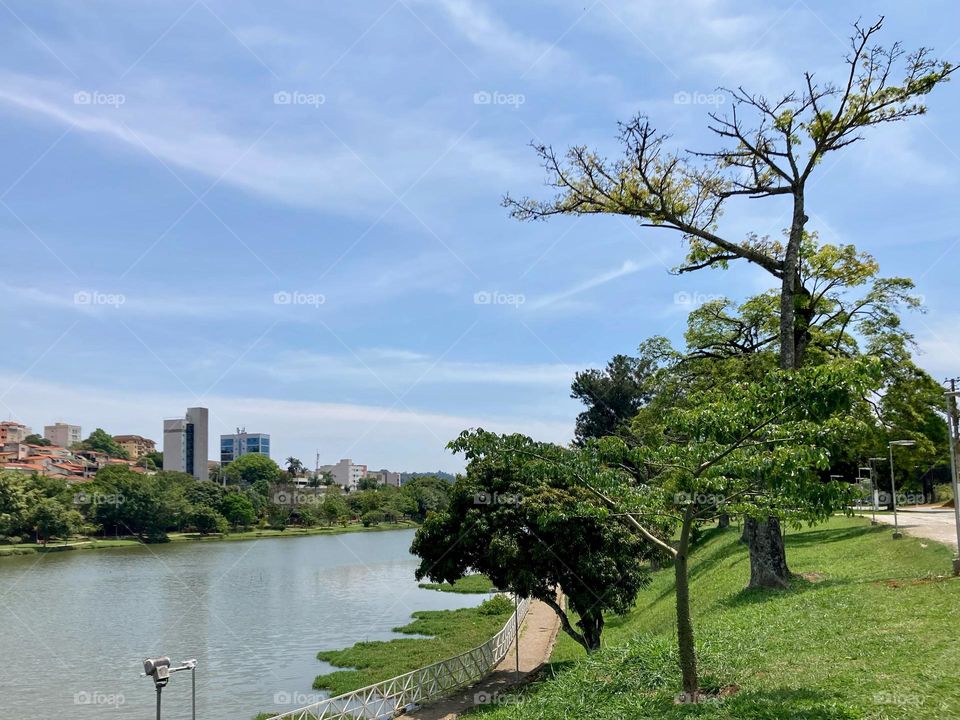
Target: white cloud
[[629, 267]]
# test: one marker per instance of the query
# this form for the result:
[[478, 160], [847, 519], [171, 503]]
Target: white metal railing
[[390, 698]]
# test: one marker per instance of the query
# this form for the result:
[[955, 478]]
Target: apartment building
[[135, 445], [63, 434], [13, 432]]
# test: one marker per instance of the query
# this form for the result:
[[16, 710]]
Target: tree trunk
[[768, 557], [790, 285], [591, 625], [685, 640], [723, 521]]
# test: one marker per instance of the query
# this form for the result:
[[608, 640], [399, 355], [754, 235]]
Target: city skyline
[[307, 237]]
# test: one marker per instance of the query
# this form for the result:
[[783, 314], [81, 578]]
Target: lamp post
[[953, 421], [873, 480], [893, 485], [159, 669]]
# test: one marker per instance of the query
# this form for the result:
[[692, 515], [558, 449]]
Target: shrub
[[943, 493]]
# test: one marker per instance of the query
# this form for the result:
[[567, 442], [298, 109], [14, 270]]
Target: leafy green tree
[[35, 439], [102, 441], [755, 448], [238, 509], [532, 533], [295, 467], [155, 459], [15, 503], [614, 394], [206, 520], [770, 146], [206, 493], [371, 517], [250, 468], [334, 508], [51, 519], [129, 503], [368, 483], [428, 494]]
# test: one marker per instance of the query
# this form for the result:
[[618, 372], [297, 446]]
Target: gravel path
[[933, 524], [537, 636]]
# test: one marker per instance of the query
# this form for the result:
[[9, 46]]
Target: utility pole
[[953, 430]]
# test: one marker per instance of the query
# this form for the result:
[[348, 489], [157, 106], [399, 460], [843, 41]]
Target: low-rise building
[[385, 477], [135, 445]]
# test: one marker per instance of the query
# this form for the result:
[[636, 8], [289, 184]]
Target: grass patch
[[450, 632], [869, 631], [469, 584]]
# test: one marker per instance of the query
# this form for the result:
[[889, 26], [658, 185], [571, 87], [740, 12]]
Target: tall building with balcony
[[185, 443], [243, 443], [62, 434]]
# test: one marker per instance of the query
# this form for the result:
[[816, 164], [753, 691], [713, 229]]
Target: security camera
[[158, 669]]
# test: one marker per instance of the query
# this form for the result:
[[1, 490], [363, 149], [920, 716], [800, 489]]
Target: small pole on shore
[[516, 631]]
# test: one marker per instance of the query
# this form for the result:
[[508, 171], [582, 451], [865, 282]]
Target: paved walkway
[[537, 636], [933, 524]]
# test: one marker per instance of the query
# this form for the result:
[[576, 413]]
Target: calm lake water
[[75, 626]]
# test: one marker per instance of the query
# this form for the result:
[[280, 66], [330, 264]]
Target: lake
[[76, 626]]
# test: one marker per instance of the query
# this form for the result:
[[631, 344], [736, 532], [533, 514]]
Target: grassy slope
[[469, 584], [875, 635], [451, 633]]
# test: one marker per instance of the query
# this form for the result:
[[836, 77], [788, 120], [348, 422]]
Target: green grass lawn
[[871, 630], [450, 632], [469, 584]]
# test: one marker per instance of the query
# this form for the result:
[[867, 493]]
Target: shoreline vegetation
[[28, 549], [438, 635]]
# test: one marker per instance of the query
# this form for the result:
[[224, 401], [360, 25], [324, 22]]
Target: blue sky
[[288, 212]]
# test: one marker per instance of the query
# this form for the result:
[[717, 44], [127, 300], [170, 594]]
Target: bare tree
[[769, 148]]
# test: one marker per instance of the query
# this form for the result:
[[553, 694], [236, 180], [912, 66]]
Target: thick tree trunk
[[790, 285], [768, 557], [591, 626], [723, 521], [685, 640]]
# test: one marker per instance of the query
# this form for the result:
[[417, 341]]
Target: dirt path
[[933, 524], [537, 636]]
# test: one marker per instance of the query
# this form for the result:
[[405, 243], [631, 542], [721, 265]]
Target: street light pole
[[873, 481], [893, 492], [952, 431], [893, 485]]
